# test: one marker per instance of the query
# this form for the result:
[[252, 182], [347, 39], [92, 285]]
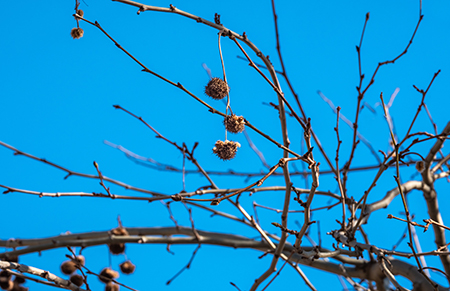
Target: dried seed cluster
[[226, 150], [108, 274], [77, 280], [70, 266], [111, 287], [234, 124], [77, 32], [217, 89], [420, 166], [127, 267]]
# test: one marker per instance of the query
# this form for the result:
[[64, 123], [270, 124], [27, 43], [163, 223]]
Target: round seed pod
[[68, 267], [80, 260], [6, 284], [77, 280], [217, 89], [111, 287], [80, 12], [77, 32], [107, 274], [420, 166], [117, 249], [127, 267], [226, 150], [234, 124]]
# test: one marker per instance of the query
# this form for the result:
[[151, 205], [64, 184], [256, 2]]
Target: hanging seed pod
[[226, 150], [234, 124], [79, 260], [111, 287], [77, 280], [217, 89], [5, 280], [127, 267], [68, 267], [80, 12], [420, 166], [107, 274], [117, 249], [6, 284], [77, 32]]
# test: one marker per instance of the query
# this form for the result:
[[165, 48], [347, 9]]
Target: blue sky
[[57, 97]]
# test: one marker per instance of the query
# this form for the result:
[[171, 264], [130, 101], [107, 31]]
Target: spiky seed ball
[[80, 12], [80, 260], [127, 267], [420, 166], [234, 124], [226, 150], [5, 280], [117, 249], [119, 231], [111, 287], [217, 89], [77, 280], [68, 267], [6, 284], [107, 274], [77, 32], [19, 280]]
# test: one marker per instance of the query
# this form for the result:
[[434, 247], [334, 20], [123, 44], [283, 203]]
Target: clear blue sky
[[57, 96]]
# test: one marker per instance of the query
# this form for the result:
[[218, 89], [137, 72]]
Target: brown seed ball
[[77, 279], [80, 260], [117, 249], [107, 274], [217, 89], [68, 267], [420, 166], [80, 12], [226, 150], [77, 32], [6, 284], [234, 124], [127, 267], [111, 287]]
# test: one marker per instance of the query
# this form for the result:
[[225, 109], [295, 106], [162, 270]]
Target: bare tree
[[303, 205]]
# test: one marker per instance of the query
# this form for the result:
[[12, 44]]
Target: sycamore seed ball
[[226, 150], [127, 267], [77, 32], [107, 274], [234, 124], [217, 89]]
